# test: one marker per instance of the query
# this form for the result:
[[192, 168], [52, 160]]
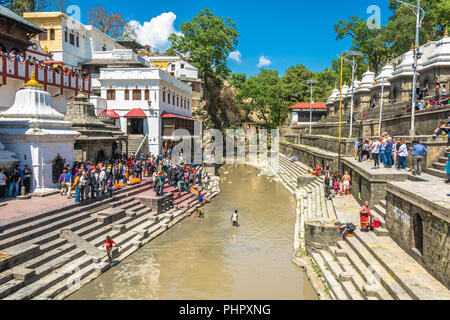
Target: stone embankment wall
[[421, 228]]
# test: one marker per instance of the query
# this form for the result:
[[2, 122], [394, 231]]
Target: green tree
[[21, 6], [262, 96], [371, 42], [400, 31], [208, 40], [238, 79]]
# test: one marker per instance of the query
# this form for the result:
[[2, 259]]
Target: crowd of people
[[88, 179], [21, 57], [390, 152]]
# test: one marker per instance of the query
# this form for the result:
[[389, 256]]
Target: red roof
[[306, 105], [112, 114], [171, 116], [136, 113]]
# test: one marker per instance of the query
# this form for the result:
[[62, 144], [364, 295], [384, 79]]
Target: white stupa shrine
[[38, 135]]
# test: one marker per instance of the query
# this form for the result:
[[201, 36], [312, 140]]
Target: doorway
[[418, 233], [135, 126]]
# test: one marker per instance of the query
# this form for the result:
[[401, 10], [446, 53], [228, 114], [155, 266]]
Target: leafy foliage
[[207, 40]]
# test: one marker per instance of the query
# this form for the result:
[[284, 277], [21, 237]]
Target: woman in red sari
[[364, 217]]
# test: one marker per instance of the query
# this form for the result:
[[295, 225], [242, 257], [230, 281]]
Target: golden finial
[[388, 61], [368, 68], [45, 49], [32, 82], [124, 32], [413, 47], [446, 33]]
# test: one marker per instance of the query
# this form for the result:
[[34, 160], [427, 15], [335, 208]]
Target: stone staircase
[[317, 207], [371, 266], [438, 169], [37, 262], [134, 142], [367, 267]]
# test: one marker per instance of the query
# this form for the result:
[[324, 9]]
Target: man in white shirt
[[375, 149]]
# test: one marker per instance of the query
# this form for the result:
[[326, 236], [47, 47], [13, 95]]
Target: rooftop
[[307, 105], [7, 13]]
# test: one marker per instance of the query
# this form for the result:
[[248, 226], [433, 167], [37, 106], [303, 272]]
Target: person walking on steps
[[109, 244]]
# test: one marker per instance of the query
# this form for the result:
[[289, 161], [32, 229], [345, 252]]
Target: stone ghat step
[[439, 166], [406, 271], [27, 231], [378, 271], [335, 289], [50, 280], [63, 252], [20, 225], [363, 278], [435, 172], [70, 282], [443, 160], [343, 278]]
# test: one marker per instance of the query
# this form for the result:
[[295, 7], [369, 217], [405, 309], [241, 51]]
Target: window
[[43, 36], [104, 48], [178, 101], [127, 94], [72, 39], [52, 34], [147, 94], [110, 94], [66, 36], [173, 99], [168, 97], [137, 94], [164, 96], [78, 41], [182, 66], [173, 67]]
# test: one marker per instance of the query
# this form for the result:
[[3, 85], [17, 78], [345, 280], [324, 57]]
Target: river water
[[211, 260]]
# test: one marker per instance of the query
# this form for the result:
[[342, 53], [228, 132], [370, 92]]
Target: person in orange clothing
[[365, 217]]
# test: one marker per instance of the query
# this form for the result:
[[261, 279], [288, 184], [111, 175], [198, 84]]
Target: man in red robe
[[364, 217]]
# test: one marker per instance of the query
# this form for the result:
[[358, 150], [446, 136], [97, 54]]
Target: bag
[[376, 223]]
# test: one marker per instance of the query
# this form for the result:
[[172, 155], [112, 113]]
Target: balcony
[[46, 75]]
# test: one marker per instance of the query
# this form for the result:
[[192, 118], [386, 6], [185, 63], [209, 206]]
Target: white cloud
[[236, 56], [156, 31], [263, 61]]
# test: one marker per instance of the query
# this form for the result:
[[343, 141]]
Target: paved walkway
[[21, 209]]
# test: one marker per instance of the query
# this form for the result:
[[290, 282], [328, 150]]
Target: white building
[[147, 102], [70, 41], [180, 69]]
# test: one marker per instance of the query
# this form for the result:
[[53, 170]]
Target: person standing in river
[[235, 219]]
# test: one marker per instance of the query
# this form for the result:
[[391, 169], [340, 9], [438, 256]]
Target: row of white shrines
[[33, 129]]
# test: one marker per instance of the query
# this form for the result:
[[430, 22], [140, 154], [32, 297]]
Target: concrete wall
[[403, 212]]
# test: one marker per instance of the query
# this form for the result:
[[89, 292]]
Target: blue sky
[[284, 32]]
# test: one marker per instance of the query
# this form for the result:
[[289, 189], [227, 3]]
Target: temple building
[[98, 141], [38, 135], [301, 112], [148, 104]]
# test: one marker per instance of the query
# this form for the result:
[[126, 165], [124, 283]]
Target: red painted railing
[[47, 77]]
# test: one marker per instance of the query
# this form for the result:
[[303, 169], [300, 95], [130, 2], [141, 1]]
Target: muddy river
[[211, 260]]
